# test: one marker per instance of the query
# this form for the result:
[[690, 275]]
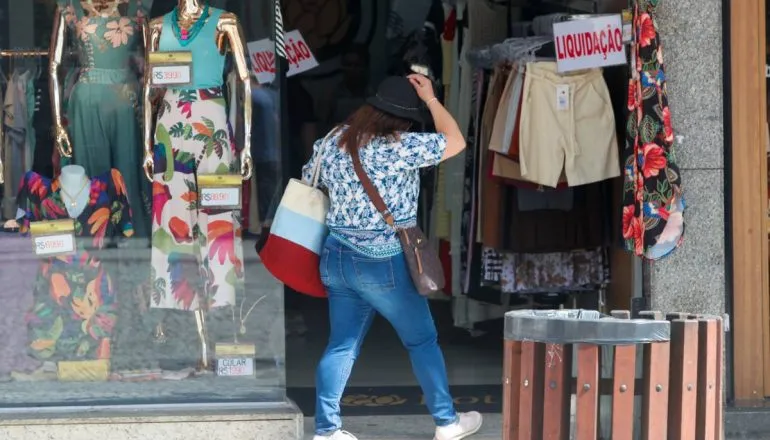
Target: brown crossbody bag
[[422, 259]]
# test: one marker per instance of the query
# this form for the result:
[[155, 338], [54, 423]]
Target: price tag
[[171, 69], [562, 97], [235, 367], [220, 191], [53, 238], [628, 26]]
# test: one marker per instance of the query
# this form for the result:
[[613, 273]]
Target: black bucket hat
[[396, 96]]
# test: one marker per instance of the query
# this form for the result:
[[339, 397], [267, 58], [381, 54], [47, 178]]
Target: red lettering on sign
[[263, 62], [603, 42]]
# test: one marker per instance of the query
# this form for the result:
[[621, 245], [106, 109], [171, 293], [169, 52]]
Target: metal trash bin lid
[[575, 326]]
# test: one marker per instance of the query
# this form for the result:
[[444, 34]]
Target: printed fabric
[[197, 254], [75, 303], [653, 203], [393, 167]]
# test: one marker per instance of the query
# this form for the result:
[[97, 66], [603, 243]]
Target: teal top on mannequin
[[208, 63], [106, 40]]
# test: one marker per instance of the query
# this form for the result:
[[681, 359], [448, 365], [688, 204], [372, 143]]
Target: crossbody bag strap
[[370, 189]]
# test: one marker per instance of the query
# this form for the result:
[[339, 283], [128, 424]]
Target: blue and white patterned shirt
[[393, 167]]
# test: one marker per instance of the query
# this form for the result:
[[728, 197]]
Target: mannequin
[[103, 109], [186, 239], [76, 292], [74, 189]]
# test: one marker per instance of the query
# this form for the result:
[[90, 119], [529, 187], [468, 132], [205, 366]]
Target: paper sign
[[262, 54], [220, 197], [58, 244], [235, 367], [589, 43], [171, 75]]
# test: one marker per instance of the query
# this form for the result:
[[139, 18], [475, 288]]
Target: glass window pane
[[118, 288]]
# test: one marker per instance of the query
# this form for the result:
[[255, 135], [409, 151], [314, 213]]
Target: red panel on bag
[[293, 265]]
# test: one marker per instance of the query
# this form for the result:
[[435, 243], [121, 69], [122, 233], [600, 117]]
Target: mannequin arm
[[58, 39], [151, 40], [230, 28]]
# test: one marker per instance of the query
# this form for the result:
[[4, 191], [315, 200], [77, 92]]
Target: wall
[[693, 278]]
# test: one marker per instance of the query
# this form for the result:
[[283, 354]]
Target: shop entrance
[[371, 40]]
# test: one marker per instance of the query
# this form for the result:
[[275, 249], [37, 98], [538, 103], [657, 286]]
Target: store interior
[[566, 251]]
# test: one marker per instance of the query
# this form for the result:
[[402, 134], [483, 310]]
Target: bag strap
[[319, 158], [371, 190]]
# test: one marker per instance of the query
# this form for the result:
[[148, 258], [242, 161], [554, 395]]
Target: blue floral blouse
[[393, 167]]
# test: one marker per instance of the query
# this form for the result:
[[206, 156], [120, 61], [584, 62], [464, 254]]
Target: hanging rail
[[23, 53]]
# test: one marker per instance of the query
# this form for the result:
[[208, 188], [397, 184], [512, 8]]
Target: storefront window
[[130, 214]]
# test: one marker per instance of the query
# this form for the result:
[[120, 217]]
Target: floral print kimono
[[75, 304], [653, 203], [103, 109]]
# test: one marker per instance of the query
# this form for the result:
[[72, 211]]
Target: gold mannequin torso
[[229, 35]]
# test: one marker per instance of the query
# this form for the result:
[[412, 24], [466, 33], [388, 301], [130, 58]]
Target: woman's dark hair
[[367, 123]]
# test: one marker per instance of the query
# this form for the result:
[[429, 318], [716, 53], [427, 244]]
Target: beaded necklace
[[186, 36]]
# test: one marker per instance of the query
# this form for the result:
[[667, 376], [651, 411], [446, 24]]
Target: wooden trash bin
[[680, 384]]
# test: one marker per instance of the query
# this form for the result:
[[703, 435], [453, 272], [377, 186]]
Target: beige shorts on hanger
[[567, 123]]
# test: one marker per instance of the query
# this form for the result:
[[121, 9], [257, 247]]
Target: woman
[[362, 265]]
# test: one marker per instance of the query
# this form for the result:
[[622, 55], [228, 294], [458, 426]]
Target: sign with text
[[53, 238], [262, 55], [220, 191], [171, 68], [589, 43], [234, 367]]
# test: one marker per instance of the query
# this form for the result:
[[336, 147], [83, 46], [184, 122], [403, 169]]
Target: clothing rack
[[23, 53]]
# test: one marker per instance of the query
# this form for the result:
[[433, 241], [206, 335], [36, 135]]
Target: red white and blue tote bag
[[293, 248]]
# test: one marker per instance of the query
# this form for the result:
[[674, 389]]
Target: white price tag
[[226, 197], [235, 367], [172, 75], [59, 244], [562, 97]]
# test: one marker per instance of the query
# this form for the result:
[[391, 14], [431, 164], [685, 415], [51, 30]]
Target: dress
[[196, 254], [75, 303], [103, 109]]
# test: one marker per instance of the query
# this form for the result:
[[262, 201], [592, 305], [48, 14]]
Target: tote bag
[[293, 248]]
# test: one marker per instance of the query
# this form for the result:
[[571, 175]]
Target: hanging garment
[[75, 301], [555, 230], [103, 109], [537, 273], [653, 202], [19, 138], [196, 253], [575, 134]]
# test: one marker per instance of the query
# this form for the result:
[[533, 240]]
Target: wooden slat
[[684, 380], [655, 393], [707, 380], [624, 373], [750, 292], [511, 388], [719, 419], [587, 392], [556, 391], [531, 383]]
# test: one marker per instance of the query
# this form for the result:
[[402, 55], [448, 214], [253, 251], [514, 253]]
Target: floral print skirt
[[197, 255]]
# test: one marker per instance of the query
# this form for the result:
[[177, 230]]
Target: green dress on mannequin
[[103, 109]]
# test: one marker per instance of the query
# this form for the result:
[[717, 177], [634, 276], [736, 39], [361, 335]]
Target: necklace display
[[73, 200], [186, 35], [242, 318]]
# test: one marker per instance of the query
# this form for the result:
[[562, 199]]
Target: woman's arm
[[442, 119]]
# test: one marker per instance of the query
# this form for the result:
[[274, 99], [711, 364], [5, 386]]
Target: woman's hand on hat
[[423, 86]]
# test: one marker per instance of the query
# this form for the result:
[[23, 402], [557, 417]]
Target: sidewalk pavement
[[405, 427]]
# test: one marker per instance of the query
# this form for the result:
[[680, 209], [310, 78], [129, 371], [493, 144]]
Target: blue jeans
[[359, 287]]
